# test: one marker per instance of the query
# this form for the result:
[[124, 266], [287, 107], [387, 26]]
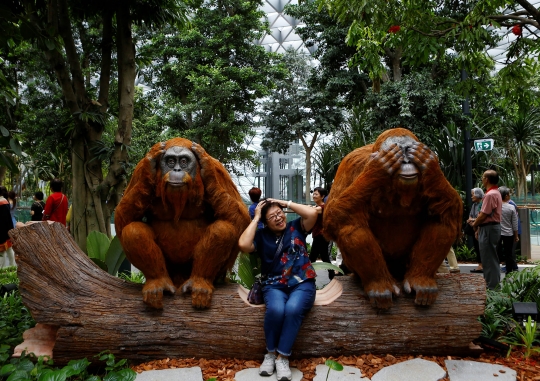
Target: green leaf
[[26, 365], [18, 375], [115, 256], [55, 375], [102, 265], [326, 266], [245, 272], [15, 146], [5, 131], [79, 365], [334, 365], [8, 162], [97, 245], [6, 369], [121, 375]]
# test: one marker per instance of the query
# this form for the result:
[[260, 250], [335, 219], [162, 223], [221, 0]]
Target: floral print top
[[293, 266]]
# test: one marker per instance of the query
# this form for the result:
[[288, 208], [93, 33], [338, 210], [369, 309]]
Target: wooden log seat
[[94, 311]]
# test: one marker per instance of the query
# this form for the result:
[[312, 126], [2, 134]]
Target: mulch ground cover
[[225, 369]]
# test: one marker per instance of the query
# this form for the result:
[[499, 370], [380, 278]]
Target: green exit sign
[[484, 144]]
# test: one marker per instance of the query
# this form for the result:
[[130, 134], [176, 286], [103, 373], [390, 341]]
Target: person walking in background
[[56, 207], [36, 210], [12, 198], [7, 256], [489, 232], [509, 231], [511, 202], [320, 247], [255, 195], [477, 195]]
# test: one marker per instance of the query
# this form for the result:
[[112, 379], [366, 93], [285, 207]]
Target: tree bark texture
[[94, 311]]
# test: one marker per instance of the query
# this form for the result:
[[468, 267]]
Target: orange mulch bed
[[225, 369]]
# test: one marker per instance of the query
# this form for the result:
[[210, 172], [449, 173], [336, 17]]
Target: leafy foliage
[[14, 319], [519, 286], [209, 77], [107, 254], [28, 367], [8, 275], [464, 253], [524, 336]]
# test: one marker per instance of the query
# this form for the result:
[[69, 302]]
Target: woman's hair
[[13, 196], [39, 195], [3, 192], [265, 208], [56, 185], [255, 194], [504, 192], [478, 193], [323, 192]]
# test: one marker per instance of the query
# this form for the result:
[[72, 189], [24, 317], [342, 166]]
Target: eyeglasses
[[275, 216]]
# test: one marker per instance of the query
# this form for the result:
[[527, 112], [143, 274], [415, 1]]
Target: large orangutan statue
[[394, 216], [179, 221]]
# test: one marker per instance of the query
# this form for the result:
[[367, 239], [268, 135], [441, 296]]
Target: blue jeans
[[285, 311]]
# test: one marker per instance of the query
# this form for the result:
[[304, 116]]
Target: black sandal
[[477, 271]]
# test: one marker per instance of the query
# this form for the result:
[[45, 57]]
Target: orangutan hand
[[421, 155], [390, 160], [154, 157]]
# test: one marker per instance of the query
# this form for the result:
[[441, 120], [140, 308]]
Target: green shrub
[[28, 367], [8, 275], [465, 254], [523, 286], [14, 319]]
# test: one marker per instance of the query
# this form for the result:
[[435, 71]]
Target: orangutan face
[[178, 165]]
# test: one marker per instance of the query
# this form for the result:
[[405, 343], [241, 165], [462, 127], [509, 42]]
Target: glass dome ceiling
[[282, 28]]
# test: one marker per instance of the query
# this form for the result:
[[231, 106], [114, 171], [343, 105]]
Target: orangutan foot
[[380, 293], [201, 291], [153, 291], [425, 288]]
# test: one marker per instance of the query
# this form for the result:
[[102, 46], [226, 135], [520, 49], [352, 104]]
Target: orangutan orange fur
[[193, 216], [394, 217]]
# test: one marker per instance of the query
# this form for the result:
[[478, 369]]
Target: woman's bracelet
[[289, 204]]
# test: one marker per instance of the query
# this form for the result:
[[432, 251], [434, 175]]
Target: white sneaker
[[282, 369], [268, 365]]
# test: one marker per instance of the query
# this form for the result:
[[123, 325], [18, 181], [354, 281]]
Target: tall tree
[[297, 111], [210, 77], [79, 39]]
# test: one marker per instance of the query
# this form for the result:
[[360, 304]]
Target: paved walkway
[[412, 370]]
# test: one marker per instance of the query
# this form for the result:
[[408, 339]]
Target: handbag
[[255, 295]]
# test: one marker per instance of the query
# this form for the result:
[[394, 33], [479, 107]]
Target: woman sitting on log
[[288, 277]]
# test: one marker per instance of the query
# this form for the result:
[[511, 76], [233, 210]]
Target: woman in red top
[[56, 207]]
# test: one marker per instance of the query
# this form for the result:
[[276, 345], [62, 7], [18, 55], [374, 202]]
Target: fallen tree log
[[94, 311]]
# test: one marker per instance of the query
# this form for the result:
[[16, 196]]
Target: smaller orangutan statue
[[394, 217], [179, 221]]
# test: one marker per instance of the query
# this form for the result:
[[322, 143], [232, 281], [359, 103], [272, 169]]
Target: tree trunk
[[308, 149], [95, 311]]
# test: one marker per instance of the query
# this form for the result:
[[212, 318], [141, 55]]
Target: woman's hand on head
[[258, 208], [279, 202]]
